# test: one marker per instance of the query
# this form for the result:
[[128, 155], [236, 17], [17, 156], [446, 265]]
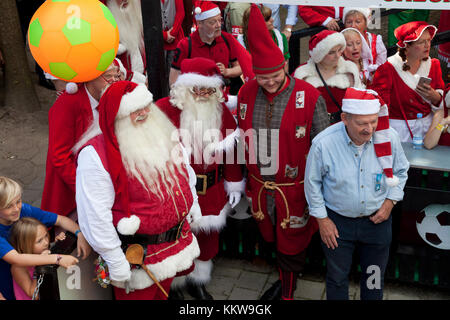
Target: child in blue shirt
[[11, 210]]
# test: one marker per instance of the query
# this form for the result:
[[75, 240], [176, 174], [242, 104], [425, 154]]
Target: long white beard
[[129, 21], [200, 120], [151, 151]]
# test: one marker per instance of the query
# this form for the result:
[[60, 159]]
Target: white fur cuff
[[128, 226]]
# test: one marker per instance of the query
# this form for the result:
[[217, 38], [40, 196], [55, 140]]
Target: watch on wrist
[[394, 202]]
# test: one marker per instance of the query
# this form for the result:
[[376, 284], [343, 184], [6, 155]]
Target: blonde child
[[31, 236], [359, 18], [11, 210]]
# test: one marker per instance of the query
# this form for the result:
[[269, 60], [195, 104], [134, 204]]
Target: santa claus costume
[[397, 87], [131, 50], [319, 15], [218, 176], [346, 74], [134, 185], [290, 116]]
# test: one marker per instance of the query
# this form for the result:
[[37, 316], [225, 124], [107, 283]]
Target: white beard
[[151, 151], [200, 121], [129, 21]]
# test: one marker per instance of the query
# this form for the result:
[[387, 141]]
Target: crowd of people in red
[[116, 166]]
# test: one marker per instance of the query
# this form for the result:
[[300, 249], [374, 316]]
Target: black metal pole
[[154, 50]]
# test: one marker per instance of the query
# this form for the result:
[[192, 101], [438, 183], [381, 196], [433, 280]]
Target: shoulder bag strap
[[328, 89]]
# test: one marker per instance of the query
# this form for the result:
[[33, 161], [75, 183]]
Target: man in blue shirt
[[350, 193]]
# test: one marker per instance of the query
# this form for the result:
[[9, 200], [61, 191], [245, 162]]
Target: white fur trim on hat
[[128, 226], [122, 48], [206, 14], [324, 46], [356, 106], [137, 99], [447, 99], [71, 87], [198, 80]]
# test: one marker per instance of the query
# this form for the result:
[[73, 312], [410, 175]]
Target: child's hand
[[2, 297], [67, 260], [46, 252], [61, 236]]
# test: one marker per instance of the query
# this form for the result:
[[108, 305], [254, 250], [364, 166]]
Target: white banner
[[394, 4]]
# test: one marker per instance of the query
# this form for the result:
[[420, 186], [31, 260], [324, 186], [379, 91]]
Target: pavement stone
[[309, 290]]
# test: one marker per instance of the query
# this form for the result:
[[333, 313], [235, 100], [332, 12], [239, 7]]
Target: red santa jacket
[[157, 215], [337, 84], [172, 10], [397, 87], [212, 203], [316, 15], [293, 226], [68, 119]]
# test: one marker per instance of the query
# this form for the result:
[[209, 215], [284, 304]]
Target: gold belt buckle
[[205, 184]]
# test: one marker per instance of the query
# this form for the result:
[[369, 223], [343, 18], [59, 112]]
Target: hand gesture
[[383, 213], [222, 68], [333, 25], [61, 236], [234, 198], [67, 261], [83, 247], [426, 91], [170, 38], [328, 232]]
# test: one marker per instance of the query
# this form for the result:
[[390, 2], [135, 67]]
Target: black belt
[[207, 180], [170, 235]]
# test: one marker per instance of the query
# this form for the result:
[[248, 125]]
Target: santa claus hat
[[366, 53], [366, 12], [199, 72], [120, 99], [266, 56], [72, 87], [412, 31], [205, 10], [366, 101], [321, 43]]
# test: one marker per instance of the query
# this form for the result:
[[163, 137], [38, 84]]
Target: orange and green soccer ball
[[74, 40]]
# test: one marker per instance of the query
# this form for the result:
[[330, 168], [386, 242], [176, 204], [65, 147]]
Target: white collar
[[92, 100]]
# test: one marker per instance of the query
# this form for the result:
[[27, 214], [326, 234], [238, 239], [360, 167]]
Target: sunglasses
[[202, 91]]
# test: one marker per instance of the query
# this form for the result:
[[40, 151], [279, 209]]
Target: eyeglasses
[[112, 78], [202, 91]]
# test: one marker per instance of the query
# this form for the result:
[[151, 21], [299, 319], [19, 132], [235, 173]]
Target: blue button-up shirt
[[337, 176]]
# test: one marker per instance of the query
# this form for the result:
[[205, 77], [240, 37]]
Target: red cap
[[205, 9], [200, 72], [266, 55], [412, 31], [321, 43]]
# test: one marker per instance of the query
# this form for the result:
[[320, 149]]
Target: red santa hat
[[412, 31], [205, 10], [366, 101], [199, 72], [118, 101], [266, 56], [366, 12], [321, 43]]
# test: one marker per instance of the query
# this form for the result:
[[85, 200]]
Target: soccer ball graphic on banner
[[433, 225], [74, 40]]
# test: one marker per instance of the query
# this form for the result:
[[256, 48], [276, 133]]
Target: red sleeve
[[382, 82], [436, 77], [181, 53], [310, 16], [232, 171], [179, 17], [61, 139]]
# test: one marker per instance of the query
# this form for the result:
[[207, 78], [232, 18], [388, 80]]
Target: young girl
[[11, 210], [28, 235], [358, 18], [358, 51]]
